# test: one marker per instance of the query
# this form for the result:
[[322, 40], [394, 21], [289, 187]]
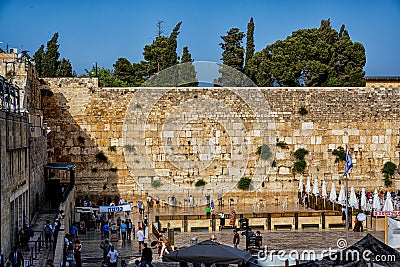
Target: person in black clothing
[[16, 258], [236, 238], [147, 255]]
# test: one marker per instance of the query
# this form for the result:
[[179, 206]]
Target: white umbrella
[[388, 203], [353, 202], [332, 196], [301, 184], [324, 193], [308, 186], [315, 189], [342, 196], [375, 204], [363, 199]]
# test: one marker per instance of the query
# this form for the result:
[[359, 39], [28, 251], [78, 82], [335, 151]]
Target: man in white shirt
[[140, 238], [113, 257]]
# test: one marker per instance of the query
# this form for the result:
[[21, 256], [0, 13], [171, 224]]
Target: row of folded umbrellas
[[353, 200]]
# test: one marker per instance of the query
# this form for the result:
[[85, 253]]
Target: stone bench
[[283, 227], [336, 226], [310, 226]]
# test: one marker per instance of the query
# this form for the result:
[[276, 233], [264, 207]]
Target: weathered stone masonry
[[183, 136]]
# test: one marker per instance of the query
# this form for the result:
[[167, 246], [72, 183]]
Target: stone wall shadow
[[96, 177]]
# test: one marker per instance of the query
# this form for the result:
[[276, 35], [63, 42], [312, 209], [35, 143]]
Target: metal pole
[[347, 202]]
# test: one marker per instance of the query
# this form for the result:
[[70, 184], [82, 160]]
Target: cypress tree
[[249, 43], [39, 60], [50, 59]]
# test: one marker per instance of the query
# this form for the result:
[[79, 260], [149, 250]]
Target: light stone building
[[23, 147]]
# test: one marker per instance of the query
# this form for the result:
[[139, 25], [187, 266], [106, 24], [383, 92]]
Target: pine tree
[[232, 58], [311, 57], [50, 59], [162, 54], [233, 50], [249, 43], [64, 69], [38, 57], [187, 72]]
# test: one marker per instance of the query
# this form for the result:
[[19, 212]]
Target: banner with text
[[121, 208], [388, 213]]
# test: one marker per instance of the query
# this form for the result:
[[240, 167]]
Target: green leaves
[[47, 63], [299, 166], [244, 183], [310, 57]]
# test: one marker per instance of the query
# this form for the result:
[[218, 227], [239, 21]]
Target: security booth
[[60, 179]]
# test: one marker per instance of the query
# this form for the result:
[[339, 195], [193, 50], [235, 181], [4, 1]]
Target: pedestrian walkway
[[37, 254]]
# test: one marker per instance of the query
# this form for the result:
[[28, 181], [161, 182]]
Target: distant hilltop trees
[[309, 57]]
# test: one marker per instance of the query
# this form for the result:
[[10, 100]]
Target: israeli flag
[[349, 164]]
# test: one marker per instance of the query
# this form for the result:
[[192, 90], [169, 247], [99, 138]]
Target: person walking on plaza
[[123, 227], [78, 253], [212, 206], [129, 227], [106, 230], [147, 255], [190, 201], [16, 257], [164, 246], [48, 232], [221, 220], [208, 212], [112, 257], [73, 231], [236, 238], [140, 238], [105, 246]]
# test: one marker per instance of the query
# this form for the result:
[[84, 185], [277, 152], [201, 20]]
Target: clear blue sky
[[102, 31]]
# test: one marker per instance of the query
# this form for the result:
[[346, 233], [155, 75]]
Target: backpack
[[47, 229]]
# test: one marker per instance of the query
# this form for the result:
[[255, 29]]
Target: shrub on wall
[[303, 111], [281, 144], [299, 166], [388, 171], [340, 154], [156, 183], [244, 183], [200, 182], [112, 148], [101, 157]]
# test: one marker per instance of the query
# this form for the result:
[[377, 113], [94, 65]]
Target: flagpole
[[347, 202]]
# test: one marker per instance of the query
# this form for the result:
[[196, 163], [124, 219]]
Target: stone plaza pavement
[[275, 240]]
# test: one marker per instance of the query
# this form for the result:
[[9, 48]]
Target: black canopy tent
[[369, 251], [209, 252]]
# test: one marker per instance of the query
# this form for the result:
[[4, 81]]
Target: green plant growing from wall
[[244, 183], [100, 156], [156, 183], [264, 152], [200, 182], [112, 148], [303, 111], [299, 166], [273, 164], [81, 139], [388, 171], [340, 154], [281, 144]]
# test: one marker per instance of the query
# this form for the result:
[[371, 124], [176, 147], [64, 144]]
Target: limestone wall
[[179, 135], [21, 174]]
